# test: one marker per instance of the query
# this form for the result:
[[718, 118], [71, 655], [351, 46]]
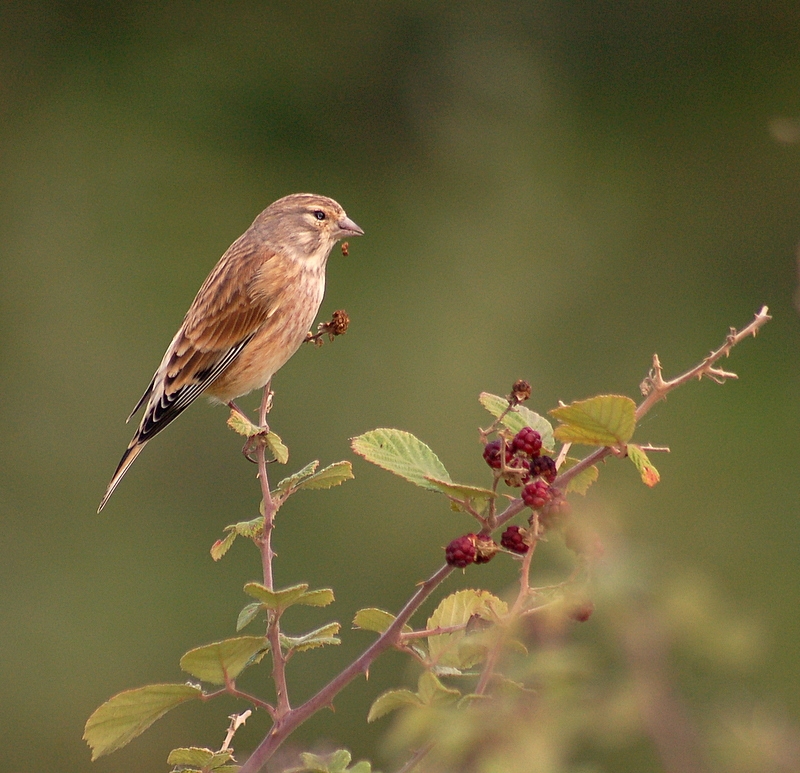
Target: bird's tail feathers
[[128, 458]]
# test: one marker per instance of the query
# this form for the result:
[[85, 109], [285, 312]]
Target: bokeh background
[[549, 190]]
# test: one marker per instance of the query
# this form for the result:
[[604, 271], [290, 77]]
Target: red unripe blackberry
[[485, 549], [536, 494], [461, 551], [527, 441], [581, 612], [513, 539], [492, 453], [545, 467]]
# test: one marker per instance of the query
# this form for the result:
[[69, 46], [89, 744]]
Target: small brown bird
[[249, 317]]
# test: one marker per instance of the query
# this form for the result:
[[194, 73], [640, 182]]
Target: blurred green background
[[549, 190]]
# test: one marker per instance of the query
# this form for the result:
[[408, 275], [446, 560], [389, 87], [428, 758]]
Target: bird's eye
[[319, 214]]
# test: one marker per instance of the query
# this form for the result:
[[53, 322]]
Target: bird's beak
[[349, 228]]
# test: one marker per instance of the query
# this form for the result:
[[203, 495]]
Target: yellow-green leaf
[[642, 463], [279, 450], [605, 420], [455, 610], [518, 417], [194, 758], [316, 598], [292, 481], [372, 619], [319, 638], [401, 453], [392, 700], [333, 475], [128, 714], [223, 660], [221, 546], [431, 690], [242, 425], [276, 599], [476, 496], [581, 482], [248, 614]]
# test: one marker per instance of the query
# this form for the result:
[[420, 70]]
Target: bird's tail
[[131, 452]]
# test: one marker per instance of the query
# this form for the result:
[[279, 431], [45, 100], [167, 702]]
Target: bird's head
[[309, 223]]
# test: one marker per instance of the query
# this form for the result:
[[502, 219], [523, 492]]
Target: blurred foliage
[[549, 191]]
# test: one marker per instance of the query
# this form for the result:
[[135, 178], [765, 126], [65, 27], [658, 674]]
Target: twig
[[267, 554]]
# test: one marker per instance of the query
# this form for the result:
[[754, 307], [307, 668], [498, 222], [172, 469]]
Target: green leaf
[[605, 420], [317, 598], [248, 614], [292, 481], [518, 417], [372, 619], [581, 482], [457, 609], [128, 714], [277, 600], [250, 529], [336, 762], [242, 425], [431, 691], [279, 450], [642, 463], [475, 496], [332, 475], [401, 453], [224, 660], [197, 760], [390, 701], [221, 546], [320, 638]]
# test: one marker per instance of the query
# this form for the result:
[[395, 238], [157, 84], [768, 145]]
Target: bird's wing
[[221, 321]]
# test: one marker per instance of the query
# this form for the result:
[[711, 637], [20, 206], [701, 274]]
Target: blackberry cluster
[[544, 467], [461, 552], [537, 494], [513, 539], [493, 452], [527, 442], [470, 549]]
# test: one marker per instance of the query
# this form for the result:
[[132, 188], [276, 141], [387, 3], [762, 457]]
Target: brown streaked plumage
[[249, 317]]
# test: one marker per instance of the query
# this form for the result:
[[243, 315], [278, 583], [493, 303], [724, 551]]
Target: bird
[[249, 317]]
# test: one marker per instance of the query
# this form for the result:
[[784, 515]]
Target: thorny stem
[[267, 554], [655, 389]]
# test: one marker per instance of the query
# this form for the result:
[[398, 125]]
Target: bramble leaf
[[336, 762], [128, 714], [475, 496], [198, 760], [372, 619], [279, 450], [248, 614], [401, 453], [582, 481], [221, 546], [605, 420], [224, 660], [292, 480], [431, 690], [518, 417], [456, 610], [242, 425], [279, 600], [642, 463], [313, 639], [275, 599], [390, 701], [332, 475]]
